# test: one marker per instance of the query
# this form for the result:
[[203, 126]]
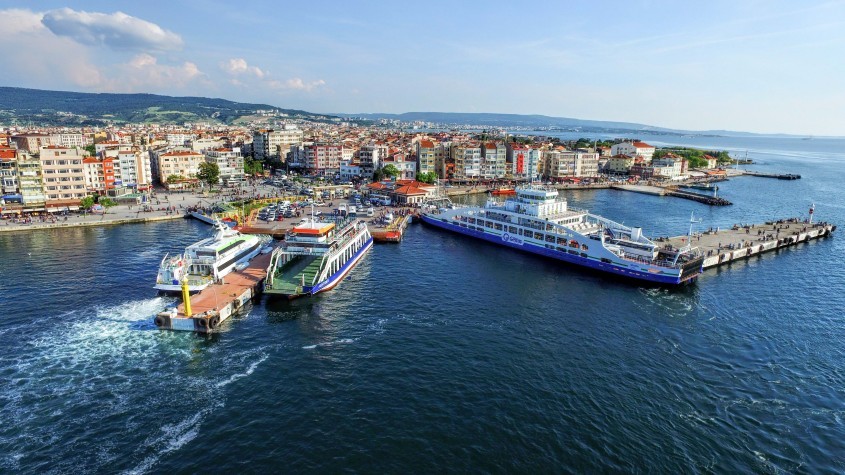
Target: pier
[[217, 302], [781, 176], [666, 191], [722, 246]]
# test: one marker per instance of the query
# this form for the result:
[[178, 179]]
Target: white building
[[633, 149], [230, 161], [271, 143]]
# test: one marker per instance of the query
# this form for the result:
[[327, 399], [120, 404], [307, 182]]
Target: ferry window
[[584, 247], [519, 231], [550, 238], [498, 227], [538, 236], [561, 241], [512, 229]]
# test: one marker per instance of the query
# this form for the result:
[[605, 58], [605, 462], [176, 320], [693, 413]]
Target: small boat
[[503, 191], [208, 260]]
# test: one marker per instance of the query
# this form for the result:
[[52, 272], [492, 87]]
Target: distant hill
[[80, 108], [541, 123]]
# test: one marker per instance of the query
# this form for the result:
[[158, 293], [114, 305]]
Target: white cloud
[[236, 66], [297, 84], [115, 30], [144, 72]]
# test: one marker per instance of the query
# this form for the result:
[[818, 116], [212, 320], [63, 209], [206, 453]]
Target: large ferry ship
[[316, 256], [536, 220], [208, 260]]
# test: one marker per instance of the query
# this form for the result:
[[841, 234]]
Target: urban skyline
[[755, 67]]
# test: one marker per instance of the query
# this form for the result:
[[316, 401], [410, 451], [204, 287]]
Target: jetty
[[205, 311], [667, 191], [779, 176], [721, 246]]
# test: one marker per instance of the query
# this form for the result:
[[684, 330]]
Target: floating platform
[[217, 302], [662, 191], [393, 232], [740, 242]]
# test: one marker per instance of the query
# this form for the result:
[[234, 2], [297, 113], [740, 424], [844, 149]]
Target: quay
[[205, 311], [722, 246]]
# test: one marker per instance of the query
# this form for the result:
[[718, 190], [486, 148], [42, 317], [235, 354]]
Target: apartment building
[[633, 149], [426, 156], [181, 163], [99, 174], [493, 160], [467, 159], [231, 165], [32, 142], [63, 172], [271, 143], [371, 157]]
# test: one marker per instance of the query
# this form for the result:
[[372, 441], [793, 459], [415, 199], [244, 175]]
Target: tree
[[174, 179], [427, 177], [86, 203], [209, 173], [390, 170], [107, 203], [91, 149]]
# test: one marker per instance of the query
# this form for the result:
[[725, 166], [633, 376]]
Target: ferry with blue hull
[[536, 220], [316, 256]]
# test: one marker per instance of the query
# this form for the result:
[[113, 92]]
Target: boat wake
[[342, 341]]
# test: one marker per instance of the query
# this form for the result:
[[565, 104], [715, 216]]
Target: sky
[[768, 66]]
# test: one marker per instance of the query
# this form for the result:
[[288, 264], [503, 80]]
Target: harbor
[[459, 325]]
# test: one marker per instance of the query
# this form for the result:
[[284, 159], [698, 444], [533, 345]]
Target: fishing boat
[[316, 256], [209, 260], [536, 220], [503, 191]]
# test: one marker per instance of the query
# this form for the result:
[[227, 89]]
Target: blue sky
[[757, 66]]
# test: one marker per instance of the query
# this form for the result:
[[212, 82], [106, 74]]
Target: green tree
[[209, 173], [86, 204], [174, 179], [390, 170], [91, 149], [427, 177], [107, 203]]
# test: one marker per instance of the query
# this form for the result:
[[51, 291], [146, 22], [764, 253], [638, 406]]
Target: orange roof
[[7, 153], [426, 144], [90, 160], [409, 190], [642, 145], [377, 186], [313, 229]]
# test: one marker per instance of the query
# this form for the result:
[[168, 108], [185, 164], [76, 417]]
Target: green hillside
[[20, 105]]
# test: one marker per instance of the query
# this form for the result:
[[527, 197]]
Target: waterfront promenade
[[164, 206]]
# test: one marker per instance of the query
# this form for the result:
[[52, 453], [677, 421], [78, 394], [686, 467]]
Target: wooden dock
[[217, 302], [722, 246]]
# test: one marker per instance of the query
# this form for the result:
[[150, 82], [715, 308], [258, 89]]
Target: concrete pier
[[219, 301], [727, 245]]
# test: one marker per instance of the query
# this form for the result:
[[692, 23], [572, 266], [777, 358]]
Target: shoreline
[[82, 224]]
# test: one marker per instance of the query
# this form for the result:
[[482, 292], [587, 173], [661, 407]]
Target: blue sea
[[443, 354]]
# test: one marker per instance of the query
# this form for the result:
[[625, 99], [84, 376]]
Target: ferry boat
[[536, 220], [316, 256], [208, 260]]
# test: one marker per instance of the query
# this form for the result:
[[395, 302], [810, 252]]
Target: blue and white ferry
[[536, 220], [317, 255]]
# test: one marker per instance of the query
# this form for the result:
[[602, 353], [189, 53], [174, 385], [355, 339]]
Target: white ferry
[[316, 256], [537, 221], [208, 260]]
